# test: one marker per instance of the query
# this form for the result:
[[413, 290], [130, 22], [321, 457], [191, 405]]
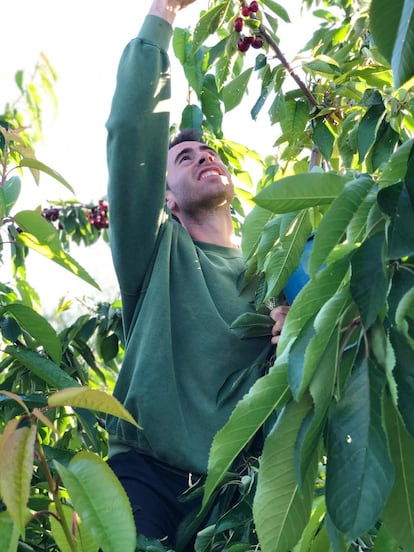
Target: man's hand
[[167, 9], [278, 314]]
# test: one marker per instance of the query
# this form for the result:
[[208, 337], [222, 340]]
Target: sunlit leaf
[[300, 191], [94, 490], [38, 165], [16, 468], [92, 399]]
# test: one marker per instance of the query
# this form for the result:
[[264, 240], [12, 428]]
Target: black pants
[[154, 489]]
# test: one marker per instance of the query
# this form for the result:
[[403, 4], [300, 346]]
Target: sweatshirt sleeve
[[137, 147]]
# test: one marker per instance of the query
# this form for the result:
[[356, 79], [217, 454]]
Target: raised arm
[[137, 146]]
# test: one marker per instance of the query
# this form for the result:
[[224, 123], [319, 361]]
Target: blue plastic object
[[301, 275]]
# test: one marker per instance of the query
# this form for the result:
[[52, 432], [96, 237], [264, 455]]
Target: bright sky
[[83, 40]]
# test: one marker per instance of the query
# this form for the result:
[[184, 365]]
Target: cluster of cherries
[[244, 42], [97, 215]]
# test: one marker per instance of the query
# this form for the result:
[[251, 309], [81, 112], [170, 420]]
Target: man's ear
[[170, 200]]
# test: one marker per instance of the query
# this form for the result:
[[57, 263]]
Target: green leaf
[[9, 534], [42, 367], [324, 139], [295, 119], [94, 490], [396, 168], [208, 24], [210, 104], [269, 393], [332, 228], [369, 281], [383, 146], [251, 324], [300, 191], [233, 92], [84, 540], [321, 389], [367, 129], [16, 469], [41, 236], [11, 190], [277, 9], [92, 399], [280, 510], [396, 203], [399, 511], [38, 327], [359, 473], [284, 260], [384, 18], [192, 117], [402, 61], [252, 230], [35, 164], [304, 362], [309, 301], [403, 374]]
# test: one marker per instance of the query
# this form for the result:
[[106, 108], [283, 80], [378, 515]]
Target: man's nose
[[205, 156]]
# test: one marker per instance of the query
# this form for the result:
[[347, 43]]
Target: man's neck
[[211, 229]]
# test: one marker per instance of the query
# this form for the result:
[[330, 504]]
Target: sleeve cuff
[[157, 31]]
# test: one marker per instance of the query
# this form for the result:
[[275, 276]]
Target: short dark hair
[[186, 135]]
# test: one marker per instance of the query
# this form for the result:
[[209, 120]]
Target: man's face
[[197, 179]]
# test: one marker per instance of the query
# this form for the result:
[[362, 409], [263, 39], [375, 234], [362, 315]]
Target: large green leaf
[[252, 230], [16, 468], [369, 281], [321, 389], [399, 511], [9, 533], [39, 166], [295, 119], [404, 376], [367, 129], [92, 399], [392, 25], [332, 227], [42, 367], [359, 473], [384, 17], [38, 327], [280, 510], [285, 259], [300, 191], [11, 191], [309, 301], [84, 540], [268, 394], [396, 203], [210, 21], [41, 236], [303, 361], [94, 491], [233, 92]]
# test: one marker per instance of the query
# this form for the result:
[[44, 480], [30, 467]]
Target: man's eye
[[185, 158]]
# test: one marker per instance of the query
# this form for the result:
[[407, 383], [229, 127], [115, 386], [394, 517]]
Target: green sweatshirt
[[179, 297]]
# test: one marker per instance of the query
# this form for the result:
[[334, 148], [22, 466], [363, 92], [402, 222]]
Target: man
[[180, 288]]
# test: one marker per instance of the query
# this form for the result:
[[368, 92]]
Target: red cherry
[[254, 6], [257, 42], [238, 24], [245, 11], [243, 44]]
